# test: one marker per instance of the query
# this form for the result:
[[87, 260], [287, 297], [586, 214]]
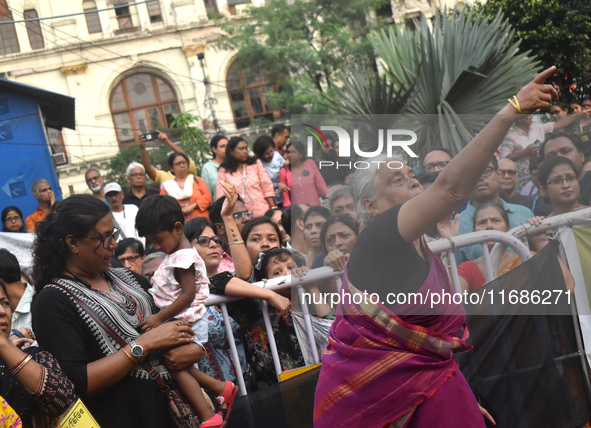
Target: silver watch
[[137, 351]]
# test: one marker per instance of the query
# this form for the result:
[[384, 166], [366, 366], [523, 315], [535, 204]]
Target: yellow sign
[[293, 373], [77, 416]]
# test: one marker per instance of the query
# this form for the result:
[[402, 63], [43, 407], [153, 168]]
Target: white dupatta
[[174, 190]]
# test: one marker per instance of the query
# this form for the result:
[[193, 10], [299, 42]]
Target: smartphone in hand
[[151, 136]]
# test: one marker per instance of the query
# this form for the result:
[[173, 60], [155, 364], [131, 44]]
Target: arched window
[[8, 39], [93, 21], [141, 103], [248, 92], [34, 29]]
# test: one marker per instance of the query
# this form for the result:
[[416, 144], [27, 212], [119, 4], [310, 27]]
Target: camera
[[150, 136]]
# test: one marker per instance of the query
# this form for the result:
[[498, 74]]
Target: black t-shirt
[[130, 198], [383, 262]]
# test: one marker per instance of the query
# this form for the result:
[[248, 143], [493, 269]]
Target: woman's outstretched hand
[[536, 94], [231, 197]]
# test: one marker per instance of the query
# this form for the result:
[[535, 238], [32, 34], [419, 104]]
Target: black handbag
[[182, 412]]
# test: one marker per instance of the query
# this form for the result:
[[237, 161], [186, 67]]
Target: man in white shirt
[[123, 214]]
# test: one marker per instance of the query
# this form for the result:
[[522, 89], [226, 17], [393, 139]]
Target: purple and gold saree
[[386, 370]]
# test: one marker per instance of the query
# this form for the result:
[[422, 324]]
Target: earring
[[75, 250]]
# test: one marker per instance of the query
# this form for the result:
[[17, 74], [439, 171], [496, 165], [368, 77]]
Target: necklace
[[139, 313]]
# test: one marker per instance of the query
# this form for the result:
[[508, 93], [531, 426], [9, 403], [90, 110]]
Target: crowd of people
[[145, 261]]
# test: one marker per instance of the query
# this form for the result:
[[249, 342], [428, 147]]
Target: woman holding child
[[72, 255], [392, 365]]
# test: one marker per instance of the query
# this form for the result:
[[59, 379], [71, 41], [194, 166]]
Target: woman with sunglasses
[[217, 361], [72, 255]]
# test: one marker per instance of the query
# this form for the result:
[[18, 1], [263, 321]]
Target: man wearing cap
[[123, 214]]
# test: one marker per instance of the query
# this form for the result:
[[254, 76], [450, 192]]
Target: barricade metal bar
[[308, 323], [325, 273], [271, 339], [451, 257], [490, 274], [232, 343]]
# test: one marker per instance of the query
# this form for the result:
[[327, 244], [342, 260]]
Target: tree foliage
[[193, 140], [558, 32], [462, 64], [302, 44]]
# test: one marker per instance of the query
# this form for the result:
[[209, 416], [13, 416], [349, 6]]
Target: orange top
[[37, 217]]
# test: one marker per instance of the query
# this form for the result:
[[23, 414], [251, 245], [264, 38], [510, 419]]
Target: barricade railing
[[326, 273]]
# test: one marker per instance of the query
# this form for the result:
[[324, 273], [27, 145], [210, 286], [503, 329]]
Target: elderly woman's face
[[5, 314], [261, 238], [180, 167], [490, 219], [13, 221], [394, 187]]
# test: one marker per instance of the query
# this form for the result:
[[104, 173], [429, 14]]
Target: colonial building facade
[[130, 66]]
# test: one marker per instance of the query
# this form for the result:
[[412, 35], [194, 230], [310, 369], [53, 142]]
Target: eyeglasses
[[130, 259], [89, 179], [137, 175], [12, 219], [244, 214], [487, 172], [430, 167], [204, 241], [107, 240], [571, 178], [508, 172]]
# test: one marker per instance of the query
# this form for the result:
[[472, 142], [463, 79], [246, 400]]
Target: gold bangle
[[236, 242], [515, 103], [132, 358], [20, 366]]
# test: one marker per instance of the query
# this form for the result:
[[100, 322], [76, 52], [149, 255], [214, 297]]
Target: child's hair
[[263, 260], [158, 213]]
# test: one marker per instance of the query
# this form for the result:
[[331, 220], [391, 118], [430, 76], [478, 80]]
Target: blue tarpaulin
[[24, 152]]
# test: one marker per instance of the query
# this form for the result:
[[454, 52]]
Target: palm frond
[[461, 68]]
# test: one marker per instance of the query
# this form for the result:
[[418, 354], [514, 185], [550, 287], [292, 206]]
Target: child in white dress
[[180, 288]]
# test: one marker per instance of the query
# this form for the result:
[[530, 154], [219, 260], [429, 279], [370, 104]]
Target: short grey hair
[[364, 184], [134, 165], [341, 192], [35, 186], [152, 256]]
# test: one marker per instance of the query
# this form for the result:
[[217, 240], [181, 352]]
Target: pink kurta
[[305, 188], [253, 186]]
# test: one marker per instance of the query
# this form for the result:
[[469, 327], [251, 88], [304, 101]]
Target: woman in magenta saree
[[389, 363]]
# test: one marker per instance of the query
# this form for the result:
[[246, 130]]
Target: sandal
[[216, 421], [227, 397]]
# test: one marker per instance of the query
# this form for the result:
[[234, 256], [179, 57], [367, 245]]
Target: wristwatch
[[137, 351]]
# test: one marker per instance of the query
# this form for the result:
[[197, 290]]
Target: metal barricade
[[325, 273]]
